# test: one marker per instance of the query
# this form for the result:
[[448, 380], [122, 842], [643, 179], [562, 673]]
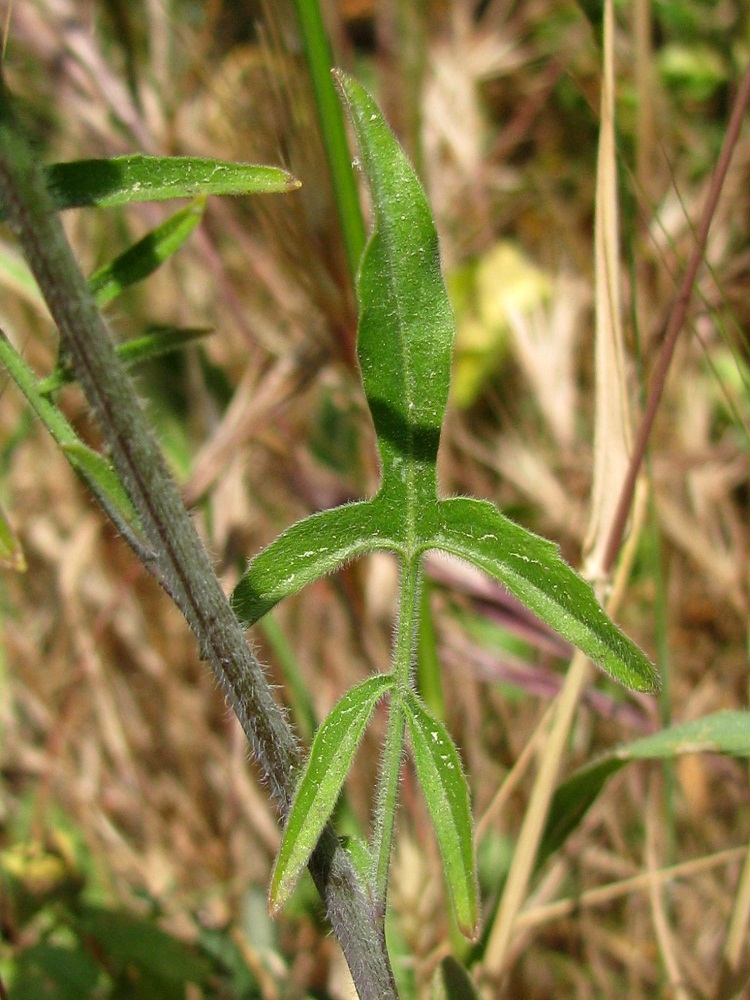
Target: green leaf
[[404, 347], [313, 547], [406, 328], [145, 256], [128, 942], [93, 467], [72, 970], [124, 180], [532, 569], [723, 732], [161, 341], [446, 792], [330, 759], [452, 982]]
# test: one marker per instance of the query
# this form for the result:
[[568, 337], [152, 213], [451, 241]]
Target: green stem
[[183, 566], [390, 770], [331, 121]]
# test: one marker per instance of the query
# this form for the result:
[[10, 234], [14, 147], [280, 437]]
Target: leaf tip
[[281, 888]]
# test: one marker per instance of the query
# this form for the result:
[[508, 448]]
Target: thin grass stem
[[331, 122]]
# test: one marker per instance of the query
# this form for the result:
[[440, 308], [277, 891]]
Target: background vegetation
[[125, 782]]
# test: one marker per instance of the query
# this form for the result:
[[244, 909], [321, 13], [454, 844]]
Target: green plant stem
[[183, 566], [385, 815], [331, 121]]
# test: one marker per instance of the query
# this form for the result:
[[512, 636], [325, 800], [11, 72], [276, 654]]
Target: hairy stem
[[183, 566], [390, 770]]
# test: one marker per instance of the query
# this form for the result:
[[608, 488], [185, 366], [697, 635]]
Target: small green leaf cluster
[[404, 346]]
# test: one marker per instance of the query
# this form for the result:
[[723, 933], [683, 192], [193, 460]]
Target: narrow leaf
[[145, 256], [452, 982], [330, 759], [100, 476], [533, 570], [318, 545], [94, 468], [446, 792], [161, 341], [123, 180], [406, 326], [723, 732]]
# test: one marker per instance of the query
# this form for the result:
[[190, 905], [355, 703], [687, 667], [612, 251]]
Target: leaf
[[406, 328], [446, 792], [92, 466], [313, 547], [124, 180], [72, 970], [533, 570], [145, 256], [723, 732], [99, 474], [452, 982], [126, 941], [330, 759], [163, 340]]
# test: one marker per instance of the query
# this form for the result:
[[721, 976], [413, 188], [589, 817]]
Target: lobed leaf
[[123, 180], [533, 570], [311, 548], [330, 759], [405, 334], [723, 732], [446, 792]]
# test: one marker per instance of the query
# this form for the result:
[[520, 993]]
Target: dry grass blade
[[612, 418], [677, 317], [611, 437]]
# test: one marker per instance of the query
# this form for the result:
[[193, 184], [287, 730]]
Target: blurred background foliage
[[136, 839]]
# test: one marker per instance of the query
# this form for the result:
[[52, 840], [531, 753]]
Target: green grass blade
[[330, 760], [446, 792], [331, 123], [532, 569], [406, 326], [312, 548], [145, 256], [123, 180], [723, 732]]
